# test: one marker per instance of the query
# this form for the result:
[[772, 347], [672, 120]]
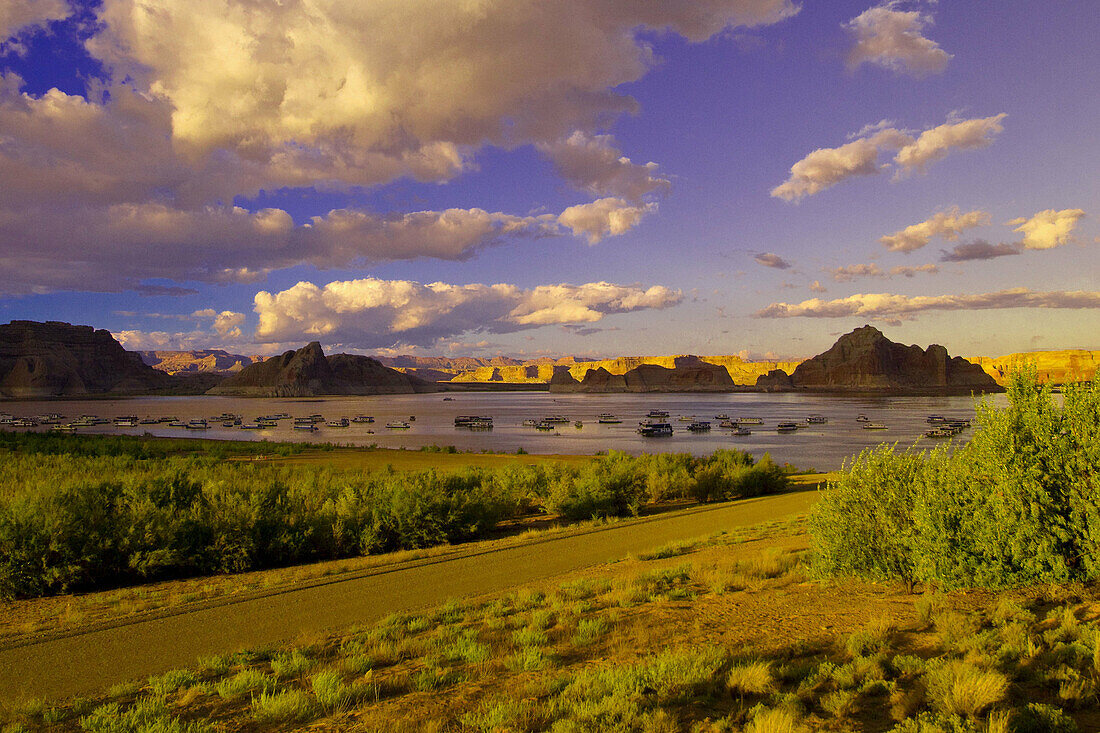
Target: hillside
[[55, 359], [215, 361], [308, 372]]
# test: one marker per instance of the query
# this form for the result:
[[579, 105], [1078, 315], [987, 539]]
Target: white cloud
[[885, 305], [603, 217], [936, 143], [894, 39], [1048, 229], [228, 324], [371, 313], [17, 15], [947, 224], [770, 259], [826, 167], [592, 163], [817, 287]]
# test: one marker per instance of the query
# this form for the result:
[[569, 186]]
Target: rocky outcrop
[[866, 360], [307, 372], [55, 359], [776, 380], [213, 361], [688, 374]]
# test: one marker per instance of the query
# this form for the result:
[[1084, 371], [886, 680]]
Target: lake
[[823, 447]]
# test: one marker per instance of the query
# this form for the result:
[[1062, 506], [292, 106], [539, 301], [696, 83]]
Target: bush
[[1019, 504]]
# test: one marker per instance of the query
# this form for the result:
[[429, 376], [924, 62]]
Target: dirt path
[[90, 661]]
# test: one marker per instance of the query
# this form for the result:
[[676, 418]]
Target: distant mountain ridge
[[215, 361], [686, 374]]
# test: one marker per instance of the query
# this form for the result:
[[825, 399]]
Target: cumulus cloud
[[372, 313], [979, 249], [946, 224], [885, 305], [16, 15], [936, 143], [604, 217], [211, 100], [894, 39], [769, 259], [817, 287], [826, 167], [1048, 229], [396, 76], [592, 163]]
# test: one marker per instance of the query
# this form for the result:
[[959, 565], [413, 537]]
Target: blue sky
[[591, 177]]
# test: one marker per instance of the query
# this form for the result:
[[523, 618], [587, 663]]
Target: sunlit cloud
[[909, 271], [1048, 229], [847, 273], [604, 217], [592, 163], [945, 224], [18, 15], [979, 249], [886, 305], [935, 144], [894, 39], [770, 259], [817, 287], [826, 167], [372, 313]]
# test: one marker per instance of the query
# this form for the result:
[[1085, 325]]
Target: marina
[[821, 430]]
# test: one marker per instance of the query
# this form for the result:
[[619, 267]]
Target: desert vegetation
[[1019, 504], [636, 647], [124, 512]]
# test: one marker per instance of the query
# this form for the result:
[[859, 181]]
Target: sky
[[548, 178]]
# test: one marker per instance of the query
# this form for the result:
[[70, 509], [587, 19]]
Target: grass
[[569, 656]]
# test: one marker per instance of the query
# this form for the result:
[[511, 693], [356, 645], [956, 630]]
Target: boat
[[721, 416], [874, 426], [251, 426], [148, 421], [786, 427], [362, 419], [699, 426], [412, 418], [197, 425], [127, 423], [474, 421], [750, 421], [305, 426], [561, 419], [530, 423], [654, 429], [448, 399], [543, 425], [686, 418], [64, 428], [398, 425], [939, 433], [341, 423], [741, 431], [862, 418], [817, 420], [935, 419], [657, 414], [177, 424], [606, 418], [578, 424], [728, 424]]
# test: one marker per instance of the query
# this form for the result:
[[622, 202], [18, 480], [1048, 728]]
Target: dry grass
[[960, 688], [751, 678]]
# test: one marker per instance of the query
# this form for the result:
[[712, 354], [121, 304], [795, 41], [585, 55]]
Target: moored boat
[[786, 427], [874, 426], [606, 418], [654, 429]]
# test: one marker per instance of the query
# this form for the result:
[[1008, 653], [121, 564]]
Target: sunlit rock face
[[55, 359], [687, 374], [308, 372], [866, 359]]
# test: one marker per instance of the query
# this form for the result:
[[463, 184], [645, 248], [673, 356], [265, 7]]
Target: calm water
[[820, 446]]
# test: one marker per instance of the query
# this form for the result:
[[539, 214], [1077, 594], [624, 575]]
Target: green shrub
[[1040, 718]]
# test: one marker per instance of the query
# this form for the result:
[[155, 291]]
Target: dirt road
[[89, 661]]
